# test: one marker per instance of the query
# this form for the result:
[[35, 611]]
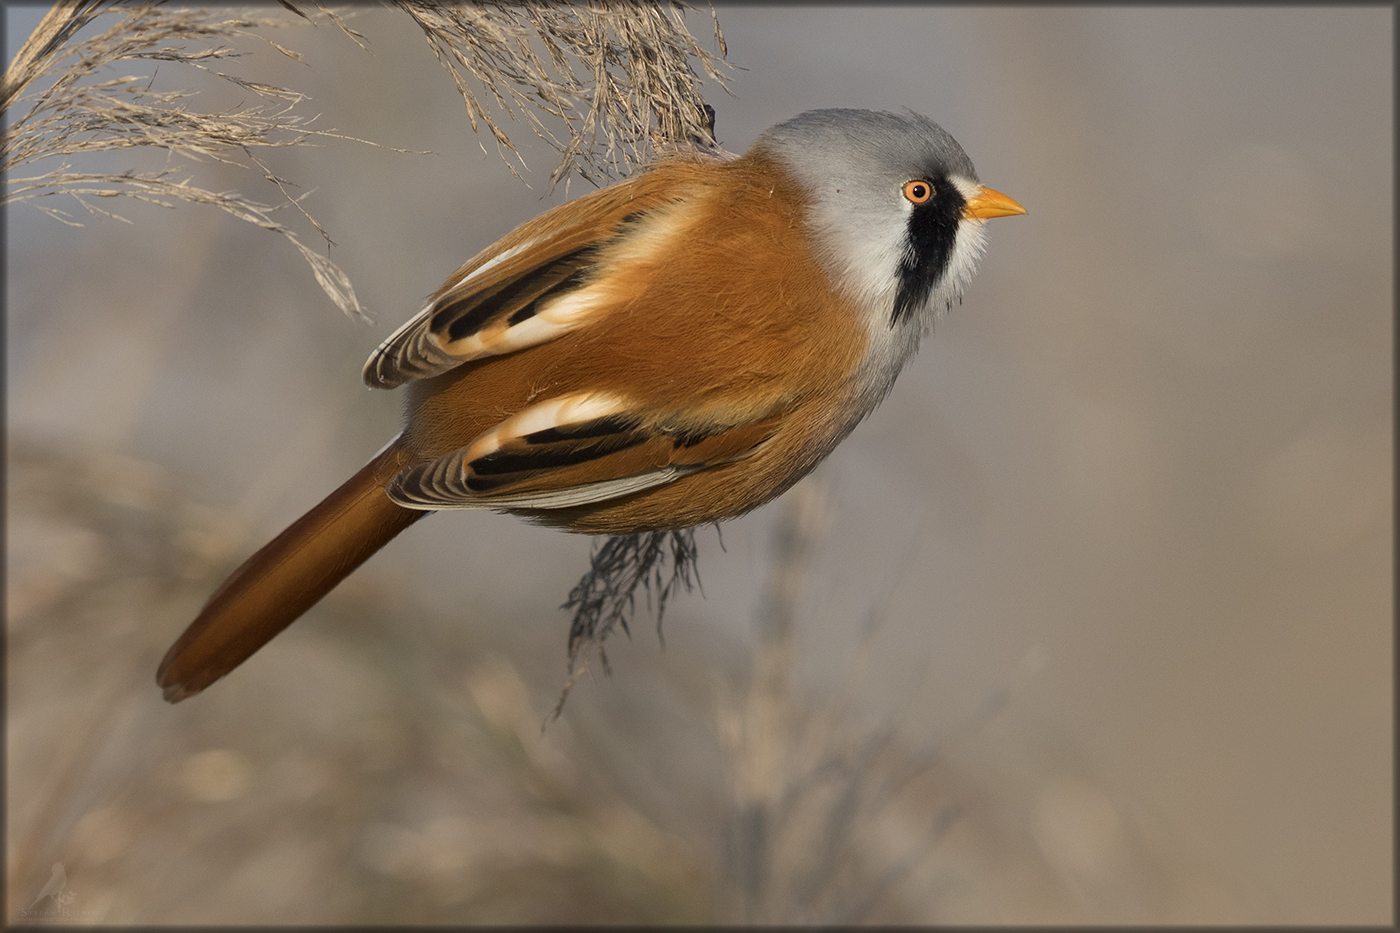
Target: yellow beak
[[989, 203]]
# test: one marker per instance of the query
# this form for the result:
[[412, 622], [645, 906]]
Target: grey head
[[899, 260]]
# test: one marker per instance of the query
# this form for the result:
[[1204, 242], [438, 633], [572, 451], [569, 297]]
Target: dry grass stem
[[811, 785], [76, 112], [618, 76], [607, 594]]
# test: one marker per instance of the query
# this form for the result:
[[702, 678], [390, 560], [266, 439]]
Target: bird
[[58, 878], [674, 349]]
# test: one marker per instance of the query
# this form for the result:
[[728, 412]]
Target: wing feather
[[573, 451], [527, 288]]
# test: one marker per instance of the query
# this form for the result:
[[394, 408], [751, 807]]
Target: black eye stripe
[[930, 235]]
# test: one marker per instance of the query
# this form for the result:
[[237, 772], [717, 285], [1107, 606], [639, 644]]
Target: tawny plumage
[[676, 349]]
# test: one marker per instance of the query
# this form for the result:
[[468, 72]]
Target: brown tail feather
[[287, 577]]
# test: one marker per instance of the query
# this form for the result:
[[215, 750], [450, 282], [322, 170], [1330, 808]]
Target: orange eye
[[918, 191]]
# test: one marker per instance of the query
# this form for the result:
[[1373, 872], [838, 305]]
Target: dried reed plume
[[606, 595], [77, 112], [618, 76]]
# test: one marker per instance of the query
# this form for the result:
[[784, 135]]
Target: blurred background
[[1091, 622]]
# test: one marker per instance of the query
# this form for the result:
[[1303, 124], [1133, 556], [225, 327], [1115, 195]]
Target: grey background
[[1137, 488]]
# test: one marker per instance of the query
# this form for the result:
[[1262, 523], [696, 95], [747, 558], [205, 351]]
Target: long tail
[[288, 576]]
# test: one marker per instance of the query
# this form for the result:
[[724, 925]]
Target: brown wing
[[527, 288], [570, 452]]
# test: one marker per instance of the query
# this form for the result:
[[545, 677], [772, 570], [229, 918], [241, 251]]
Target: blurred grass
[[359, 789], [367, 769]]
